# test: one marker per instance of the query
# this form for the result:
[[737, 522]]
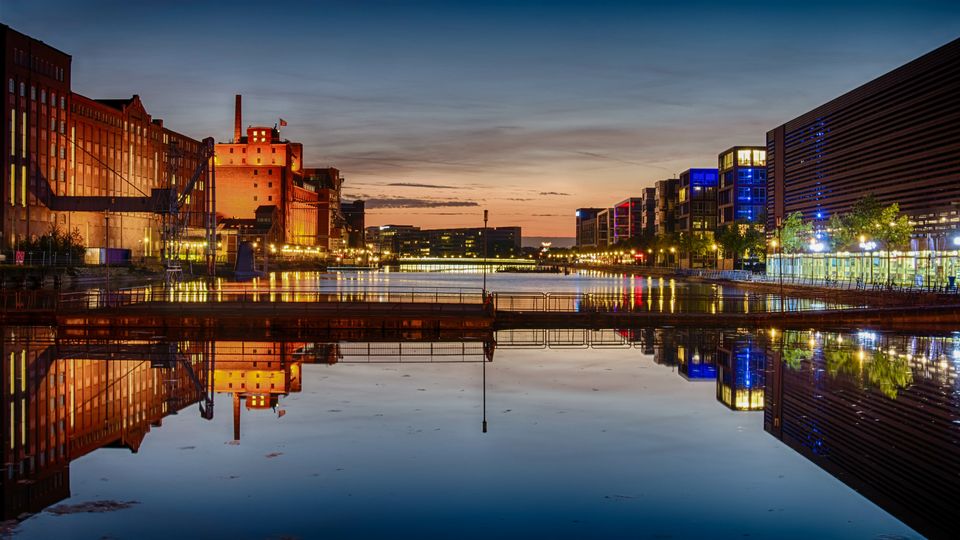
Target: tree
[[694, 244], [795, 233], [740, 239], [872, 221], [60, 243]]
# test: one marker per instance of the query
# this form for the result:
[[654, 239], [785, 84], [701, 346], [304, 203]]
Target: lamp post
[[778, 244], [484, 265], [867, 246], [716, 256]]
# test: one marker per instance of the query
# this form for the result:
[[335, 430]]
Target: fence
[[657, 300]]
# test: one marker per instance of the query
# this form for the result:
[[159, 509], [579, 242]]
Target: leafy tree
[[795, 233], [693, 243], [870, 219], [740, 239]]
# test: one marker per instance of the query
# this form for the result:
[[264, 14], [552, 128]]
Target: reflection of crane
[[166, 202]]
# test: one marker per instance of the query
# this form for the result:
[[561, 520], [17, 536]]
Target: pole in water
[[484, 395]]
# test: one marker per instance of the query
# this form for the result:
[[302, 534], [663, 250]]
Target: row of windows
[[244, 150], [40, 65]]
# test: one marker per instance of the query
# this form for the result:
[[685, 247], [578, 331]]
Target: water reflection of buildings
[[740, 371], [63, 401], [880, 413]]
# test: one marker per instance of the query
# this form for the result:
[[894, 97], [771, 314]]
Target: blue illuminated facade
[[742, 194]]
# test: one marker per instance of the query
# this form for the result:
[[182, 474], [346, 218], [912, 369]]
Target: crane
[[166, 202]]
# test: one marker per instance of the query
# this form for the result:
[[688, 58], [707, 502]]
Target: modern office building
[[354, 214], [385, 238], [666, 191], [627, 220], [61, 146], [742, 190], [896, 137], [697, 212], [260, 168], [605, 228], [586, 227], [648, 219], [501, 242]]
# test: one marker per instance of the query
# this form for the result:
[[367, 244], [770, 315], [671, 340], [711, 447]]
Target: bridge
[[290, 312]]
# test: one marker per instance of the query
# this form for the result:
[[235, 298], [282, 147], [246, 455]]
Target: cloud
[[408, 202], [418, 185], [554, 193]]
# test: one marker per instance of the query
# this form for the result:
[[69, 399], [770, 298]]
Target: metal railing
[[657, 302], [248, 296], [858, 284]]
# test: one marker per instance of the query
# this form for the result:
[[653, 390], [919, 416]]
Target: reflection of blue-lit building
[[740, 365], [697, 358]]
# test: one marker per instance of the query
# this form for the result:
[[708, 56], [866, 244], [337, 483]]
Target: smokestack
[[237, 124]]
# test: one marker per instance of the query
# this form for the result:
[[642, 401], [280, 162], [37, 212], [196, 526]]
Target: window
[[270, 172], [12, 86], [269, 197], [273, 150], [231, 150], [255, 172], [254, 197], [743, 157], [258, 150], [33, 93], [43, 96]]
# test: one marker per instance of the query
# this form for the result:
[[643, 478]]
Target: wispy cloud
[[419, 185], [558, 193], [409, 202]]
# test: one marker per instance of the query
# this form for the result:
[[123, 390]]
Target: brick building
[[56, 142], [258, 168]]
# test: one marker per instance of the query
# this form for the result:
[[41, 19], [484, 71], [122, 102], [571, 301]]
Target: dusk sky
[[436, 110]]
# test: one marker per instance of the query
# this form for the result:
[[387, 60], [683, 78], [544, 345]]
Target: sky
[[434, 111]]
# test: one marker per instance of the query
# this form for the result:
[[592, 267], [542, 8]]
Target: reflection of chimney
[[237, 121], [236, 398]]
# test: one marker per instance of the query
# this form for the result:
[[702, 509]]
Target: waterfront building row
[[695, 204], [410, 241]]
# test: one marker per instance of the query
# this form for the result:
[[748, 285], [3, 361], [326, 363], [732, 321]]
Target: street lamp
[[716, 261], [868, 246]]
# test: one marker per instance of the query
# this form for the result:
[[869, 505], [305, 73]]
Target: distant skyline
[[436, 110]]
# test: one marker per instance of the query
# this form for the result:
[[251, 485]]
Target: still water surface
[[649, 433]]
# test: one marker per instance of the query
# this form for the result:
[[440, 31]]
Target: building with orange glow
[[54, 140], [258, 168]]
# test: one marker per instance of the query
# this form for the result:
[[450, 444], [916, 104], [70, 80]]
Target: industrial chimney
[[237, 124]]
